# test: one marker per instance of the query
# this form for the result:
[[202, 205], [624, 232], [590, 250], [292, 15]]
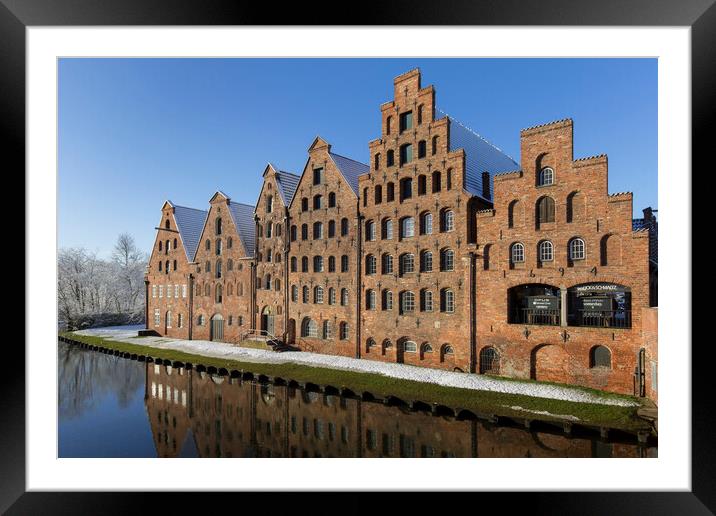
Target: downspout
[[254, 270], [286, 244], [146, 304], [472, 285], [359, 252], [191, 305]]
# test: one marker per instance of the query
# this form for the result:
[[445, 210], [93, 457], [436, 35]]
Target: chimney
[[486, 185]]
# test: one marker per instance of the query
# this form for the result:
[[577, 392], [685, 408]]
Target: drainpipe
[[252, 304], [472, 285], [191, 305], [286, 244], [359, 252], [146, 304]]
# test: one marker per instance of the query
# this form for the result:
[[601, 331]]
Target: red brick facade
[[432, 255]]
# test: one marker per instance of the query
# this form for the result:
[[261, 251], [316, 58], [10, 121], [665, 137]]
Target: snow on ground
[[128, 334]]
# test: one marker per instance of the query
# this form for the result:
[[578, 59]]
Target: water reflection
[[194, 414]]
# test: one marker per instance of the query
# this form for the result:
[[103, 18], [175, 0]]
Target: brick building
[[444, 252]]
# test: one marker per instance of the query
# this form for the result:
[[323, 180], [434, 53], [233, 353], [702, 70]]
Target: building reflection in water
[[198, 414]]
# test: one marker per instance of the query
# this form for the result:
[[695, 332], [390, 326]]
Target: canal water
[[116, 407]]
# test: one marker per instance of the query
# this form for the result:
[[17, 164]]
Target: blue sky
[[135, 132]]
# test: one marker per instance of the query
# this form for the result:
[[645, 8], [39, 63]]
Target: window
[[449, 179], [269, 204], [344, 227], [576, 249], [387, 300], [410, 346], [406, 154], [229, 264], [600, 356], [407, 302], [406, 121], [318, 294], [317, 176], [317, 202], [407, 263], [331, 264], [422, 184], [294, 264], [426, 224], [157, 317], [370, 299], [269, 230], [332, 200], [344, 263], [154, 291], [229, 242], [448, 220], [386, 264], [304, 231], [376, 162], [426, 301], [331, 296], [388, 123], [447, 260], [447, 301], [294, 233], [370, 264], [370, 231], [180, 321], [406, 189], [343, 332], [176, 291], [407, 227], [218, 294], [378, 194], [545, 177], [318, 264], [344, 297], [512, 211], [390, 158], [422, 149], [435, 145], [420, 114], [387, 229], [175, 244], [317, 230], [517, 253], [200, 320], [426, 261], [546, 251], [218, 225], [160, 245], [161, 291], [208, 245], [489, 361], [218, 268], [304, 204], [294, 294], [304, 295], [437, 181], [545, 210], [309, 328], [327, 330]]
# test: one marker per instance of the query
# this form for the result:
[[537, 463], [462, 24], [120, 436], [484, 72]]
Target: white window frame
[[517, 256], [583, 248], [546, 251]]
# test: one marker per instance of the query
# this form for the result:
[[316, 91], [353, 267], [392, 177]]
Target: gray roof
[[243, 215], [190, 223], [480, 156], [350, 169], [287, 183]]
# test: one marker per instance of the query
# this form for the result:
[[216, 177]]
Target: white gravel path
[[128, 334]]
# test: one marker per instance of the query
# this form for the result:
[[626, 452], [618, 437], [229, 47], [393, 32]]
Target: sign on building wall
[[543, 302]]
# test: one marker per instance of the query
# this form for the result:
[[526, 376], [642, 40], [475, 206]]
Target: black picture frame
[[700, 15]]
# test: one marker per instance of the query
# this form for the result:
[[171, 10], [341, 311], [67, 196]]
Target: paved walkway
[[476, 382]]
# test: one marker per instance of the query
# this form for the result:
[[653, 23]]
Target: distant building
[[443, 252]]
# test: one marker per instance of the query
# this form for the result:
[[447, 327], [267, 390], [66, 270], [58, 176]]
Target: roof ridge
[[475, 133], [188, 208]]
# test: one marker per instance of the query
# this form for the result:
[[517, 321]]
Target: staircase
[[271, 341]]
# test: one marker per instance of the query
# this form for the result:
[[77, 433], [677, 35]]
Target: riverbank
[[479, 394]]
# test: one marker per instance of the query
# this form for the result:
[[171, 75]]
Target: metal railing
[[603, 318], [261, 335], [548, 317]]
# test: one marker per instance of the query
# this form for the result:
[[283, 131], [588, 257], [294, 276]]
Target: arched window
[[318, 264], [387, 300], [575, 206], [426, 223], [229, 264], [407, 263], [545, 177], [370, 343], [304, 231], [294, 264], [370, 299], [611, 250], [304, 294], [545, 210], [489, 361], [406, 154], [406, 188], [269, 204], [370, 265], [331, 296], [425, 348], [327, 330], [331, 228], [344, 227], [267, 282], [517, 253], [343, 331], [175, 265], [448, 182], [218, 294], [175, 244], [435, 145], [309, 328], [160, 245], [426, 301], [390, 158], [545, 251], [422, 149], [407, 302], [577, 250], [208, 266], [422, 184], [229, 242], [386, 266], [600, 356], [294, 293], [387, 229], [388, 124], [386, 345], [304, 264], [208, 245], [513, 214], [160, 266], [229, 289], [365, 196], [426, 261], [166, 224], [378, 194], [269, 230], [294, 233], [447, 300], [410, 347], [219, 246], [447, 260], [240, 289], [447, 220], [437, 183], [317, 230], [218, 268], [446, 352], [166, 267], [376, 161], [344, 297], [331, 264], [277, 286], [344, 263], [407, 227], [304, 204], [332, 200], [369, 231]]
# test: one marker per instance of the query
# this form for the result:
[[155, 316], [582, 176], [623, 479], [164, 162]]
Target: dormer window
[[406, 121]]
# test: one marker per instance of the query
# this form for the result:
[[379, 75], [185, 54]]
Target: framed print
[[481, 297]]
